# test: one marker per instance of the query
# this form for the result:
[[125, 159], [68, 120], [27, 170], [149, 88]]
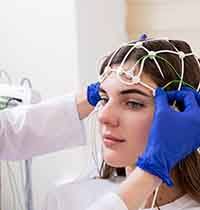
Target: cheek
[[136, 131], [138, 134]]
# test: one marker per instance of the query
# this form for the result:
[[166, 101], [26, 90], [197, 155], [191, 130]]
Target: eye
[[134, 105], [103, 100]]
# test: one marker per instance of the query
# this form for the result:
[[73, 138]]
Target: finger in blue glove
[[93, 96]]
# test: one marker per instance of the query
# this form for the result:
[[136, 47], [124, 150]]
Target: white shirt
[[79, 194], [100, 194]]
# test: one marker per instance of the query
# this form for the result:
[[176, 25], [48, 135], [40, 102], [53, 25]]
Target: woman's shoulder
[[79, 194], [88, 184]]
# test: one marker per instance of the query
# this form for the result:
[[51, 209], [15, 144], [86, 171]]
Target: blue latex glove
[[93, 96], [185, 88], [173, 134]]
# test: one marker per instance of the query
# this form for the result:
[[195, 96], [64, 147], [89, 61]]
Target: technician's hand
[[87, 99], [173, 134], [93, 96]]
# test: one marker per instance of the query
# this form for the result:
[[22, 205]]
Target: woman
[[131, 127]]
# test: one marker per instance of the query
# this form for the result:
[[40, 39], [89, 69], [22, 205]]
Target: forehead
[[114, 85]]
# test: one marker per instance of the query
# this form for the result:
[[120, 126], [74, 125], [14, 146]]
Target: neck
[[165, 195]]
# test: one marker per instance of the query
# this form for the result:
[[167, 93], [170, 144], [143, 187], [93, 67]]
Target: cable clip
[[135, 79], [181, 54], [152, 55], [138, 45]]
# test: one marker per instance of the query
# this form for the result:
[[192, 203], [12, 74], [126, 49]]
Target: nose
[[109, 115]]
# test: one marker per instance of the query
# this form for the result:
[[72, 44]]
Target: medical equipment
[[18, 173], [129, 77]]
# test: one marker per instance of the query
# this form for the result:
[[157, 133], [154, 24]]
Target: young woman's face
[[125, 119]]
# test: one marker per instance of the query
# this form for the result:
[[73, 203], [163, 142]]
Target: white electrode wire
[[175, 48], [92, 160], [25, 82], [126, 56], [159, 68], [94, 152], [198, 87], [142, 66], [197, 60], [151, 55], [20, 187], [106, 73], [18, 191], [94, 143], [14, 188], [155, 197], [135, 65], [145, 49], [112, 56], [182, 73], [28, 185], [13, 185], [22, 171], [9, 189]]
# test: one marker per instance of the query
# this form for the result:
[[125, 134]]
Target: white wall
[[57, 45], [38, 40], [101, 28]]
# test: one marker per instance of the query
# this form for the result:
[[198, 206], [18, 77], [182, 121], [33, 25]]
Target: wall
[[101, 28], [177, 19], [38, 40]]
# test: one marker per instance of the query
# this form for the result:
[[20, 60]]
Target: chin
[[114, 164], [115, 161]]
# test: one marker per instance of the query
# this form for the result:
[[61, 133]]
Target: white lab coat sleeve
[[110, 201], [29, 130]]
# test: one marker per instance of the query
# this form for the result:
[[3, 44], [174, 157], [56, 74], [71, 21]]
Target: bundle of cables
[[15, 177]]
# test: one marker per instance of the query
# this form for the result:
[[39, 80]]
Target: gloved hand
[[93, 96], [173, 134]]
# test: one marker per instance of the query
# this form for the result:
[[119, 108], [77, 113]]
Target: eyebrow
[[128, 91]]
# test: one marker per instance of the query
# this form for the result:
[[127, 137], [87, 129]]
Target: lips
[[110, 140], [113, 138]]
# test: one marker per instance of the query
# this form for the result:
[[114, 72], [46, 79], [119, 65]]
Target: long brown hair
[[187, 171]]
